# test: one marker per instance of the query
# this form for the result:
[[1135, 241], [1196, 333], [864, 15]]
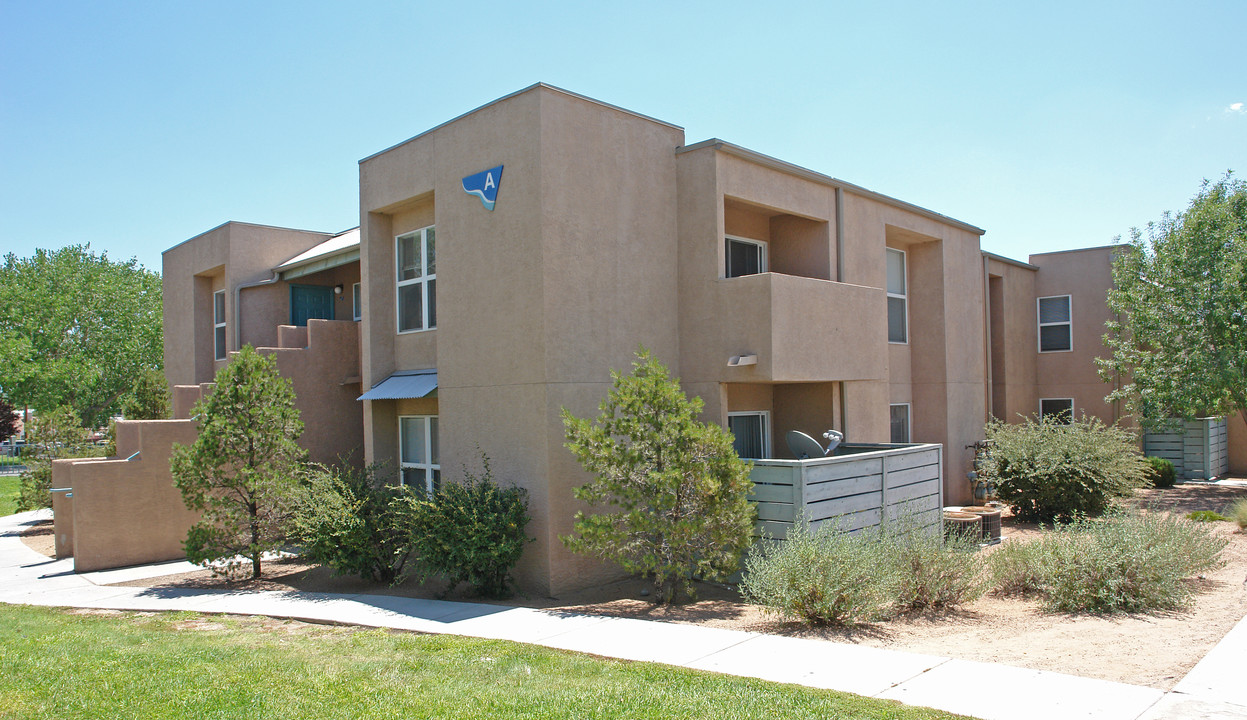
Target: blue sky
[[136, 125]]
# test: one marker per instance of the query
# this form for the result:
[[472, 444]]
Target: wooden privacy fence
[[1199, 449], [856, 488]]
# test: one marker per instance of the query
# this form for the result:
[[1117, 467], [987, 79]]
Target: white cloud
[[1237, 107]]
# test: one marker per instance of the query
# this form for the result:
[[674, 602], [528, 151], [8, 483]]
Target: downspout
[[238, 304], [844, 414], [839, 234]]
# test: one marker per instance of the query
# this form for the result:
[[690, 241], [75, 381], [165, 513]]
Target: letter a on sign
[[484, 185]]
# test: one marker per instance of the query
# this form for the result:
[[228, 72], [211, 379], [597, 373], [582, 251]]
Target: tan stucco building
[[508, 259]]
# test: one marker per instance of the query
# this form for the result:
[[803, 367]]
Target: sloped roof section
[[338, 250], [403, 385]]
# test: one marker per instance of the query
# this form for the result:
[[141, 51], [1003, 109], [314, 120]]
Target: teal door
[[310, 301]]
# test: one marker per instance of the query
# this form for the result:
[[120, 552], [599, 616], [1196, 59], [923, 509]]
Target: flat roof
[[1009, 261], [508, 96], [787, 167]]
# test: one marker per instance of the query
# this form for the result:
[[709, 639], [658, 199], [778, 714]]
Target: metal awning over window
[[403, 385]]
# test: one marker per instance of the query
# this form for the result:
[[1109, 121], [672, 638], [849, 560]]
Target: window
[[357, 306], [1061, 408], [752, 433], [218, 324], [419, 464], [417, 280], [1055, 327], [743, 257], [900, 422], [898, 305]]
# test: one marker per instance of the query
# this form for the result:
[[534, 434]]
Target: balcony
[[802, 330]]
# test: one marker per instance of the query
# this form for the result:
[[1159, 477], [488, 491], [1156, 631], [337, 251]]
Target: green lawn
[[184, 665], [10, 486]]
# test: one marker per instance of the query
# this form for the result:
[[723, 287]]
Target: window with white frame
[[752, 434], [899, 413], [1062, 409], [743, 256], [218, 325], [419, 464], [1055, 326], [357, 305], [417, 280], [898, 293]]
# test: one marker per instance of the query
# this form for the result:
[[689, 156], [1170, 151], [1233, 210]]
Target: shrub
[[1238, 513], [675, 492], [1160, 472], [469, 532], [1052, 468], [1019, 568], [355, 522], [822, 577], [1133, 562], [1206, 516], [933, 572]]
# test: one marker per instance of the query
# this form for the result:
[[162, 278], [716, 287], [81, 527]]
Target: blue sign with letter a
[[484, 185]]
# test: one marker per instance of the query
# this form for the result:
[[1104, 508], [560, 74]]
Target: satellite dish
[[834, 438], [803, 446]]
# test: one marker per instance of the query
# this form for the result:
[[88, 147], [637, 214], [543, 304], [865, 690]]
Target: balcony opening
[[758, 240]]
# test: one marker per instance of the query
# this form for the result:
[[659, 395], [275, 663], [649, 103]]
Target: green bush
[[1052, 469], [822, 577], [1127, 562], [355, 522], [1206, 516], [1238, 513], [469, 532], [934, 572], [1160, 472]]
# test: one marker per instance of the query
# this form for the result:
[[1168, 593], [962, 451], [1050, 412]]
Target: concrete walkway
[[1213, 689]]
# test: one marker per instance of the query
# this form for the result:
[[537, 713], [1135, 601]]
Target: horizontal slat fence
[[854, 491], [1198, 449]]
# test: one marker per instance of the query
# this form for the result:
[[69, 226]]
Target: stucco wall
[[1086, 276], [127, 512]]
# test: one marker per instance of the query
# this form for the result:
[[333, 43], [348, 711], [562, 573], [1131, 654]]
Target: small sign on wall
[[484, 185]]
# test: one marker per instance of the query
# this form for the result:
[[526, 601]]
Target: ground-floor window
[[1060, 408], [752, 433], [899, 413], [419, 464]]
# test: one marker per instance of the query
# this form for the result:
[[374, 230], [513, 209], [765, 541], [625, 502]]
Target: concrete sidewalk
[[1213, 689]]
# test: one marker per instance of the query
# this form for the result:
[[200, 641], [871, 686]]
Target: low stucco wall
[[123, 512], [1238, 444]]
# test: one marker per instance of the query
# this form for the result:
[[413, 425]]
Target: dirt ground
[[1152, 650]]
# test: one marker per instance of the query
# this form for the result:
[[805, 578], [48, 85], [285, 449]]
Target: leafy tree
[[1180, 293], [242, 470], [148, 398], [674, 487], [76, 329], [8, 420], [51, 435]]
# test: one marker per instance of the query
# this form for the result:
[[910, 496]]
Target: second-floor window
[[1055, 326], [357, 303], [417, 280], [898, 298], [743, 256], [218, 324]]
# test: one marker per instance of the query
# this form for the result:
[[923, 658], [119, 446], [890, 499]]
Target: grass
[[184, 665], [10, 488]]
